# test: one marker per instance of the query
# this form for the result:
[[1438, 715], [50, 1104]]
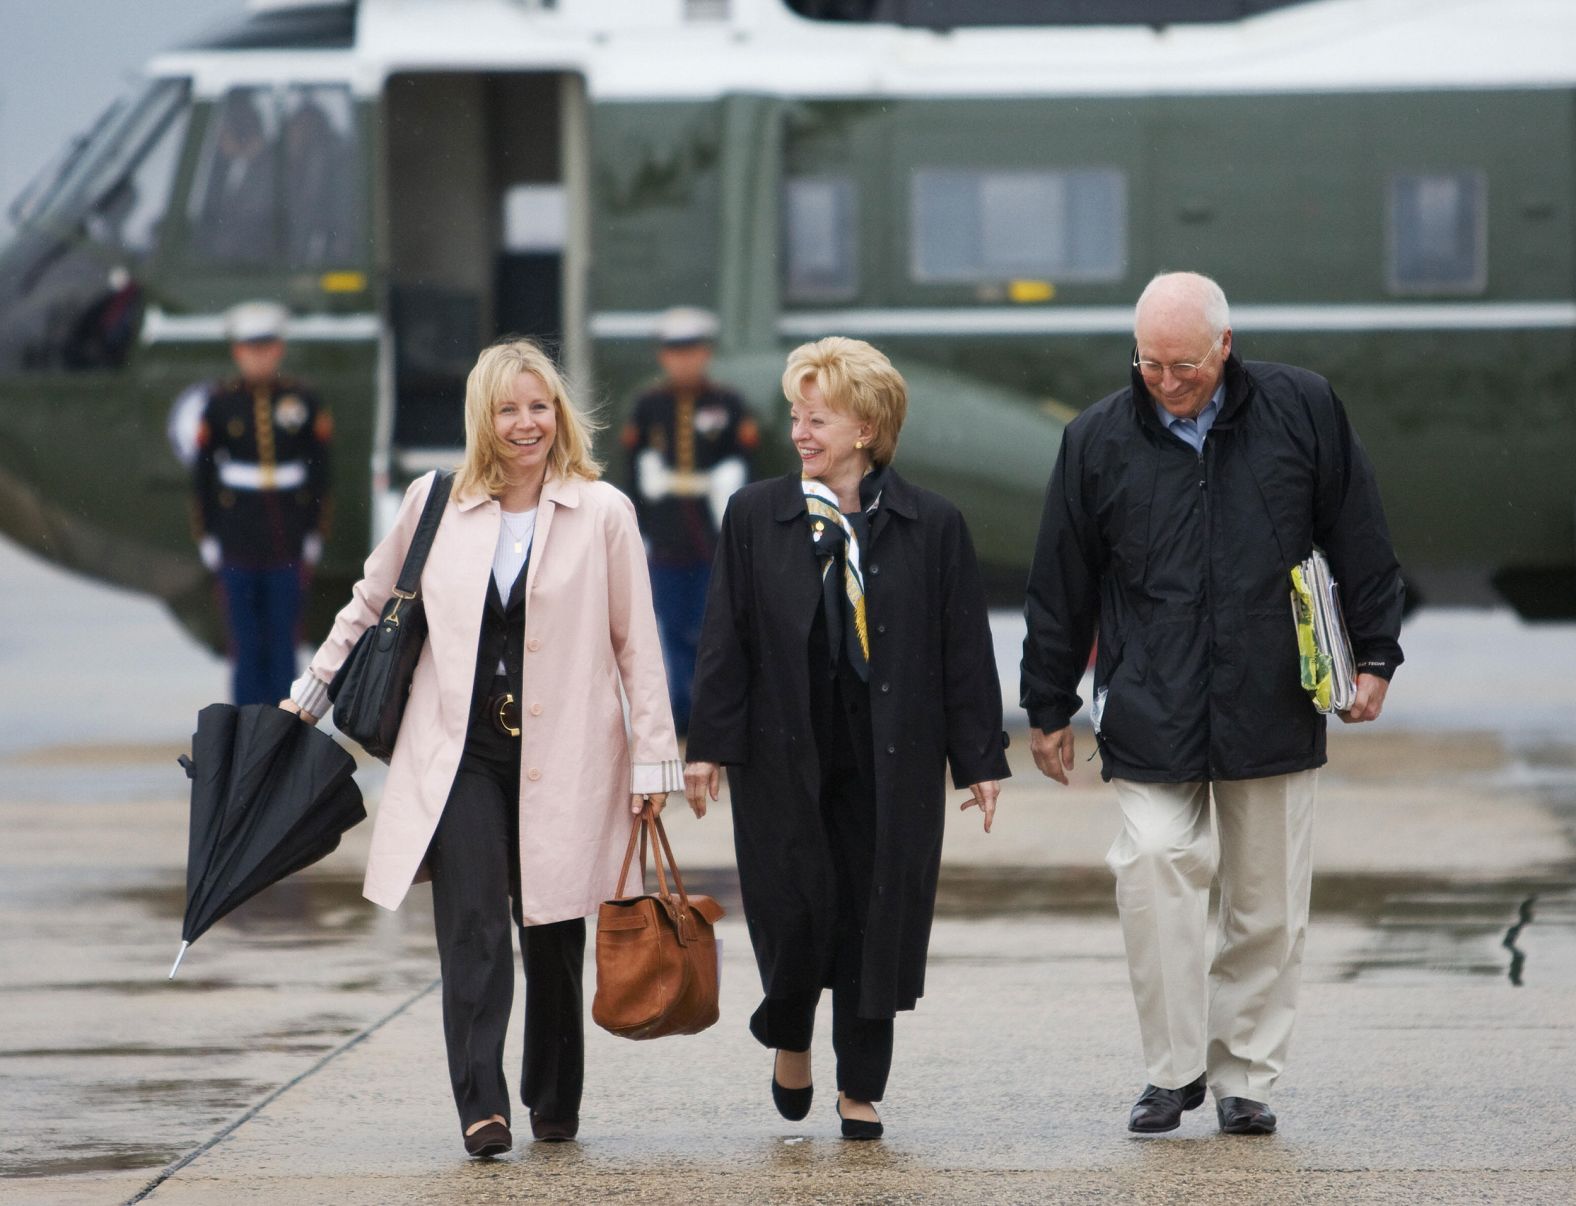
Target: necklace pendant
[[517, 546]]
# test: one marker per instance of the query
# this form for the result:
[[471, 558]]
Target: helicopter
[[980, 187]]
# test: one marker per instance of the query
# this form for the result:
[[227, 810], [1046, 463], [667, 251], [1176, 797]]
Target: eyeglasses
[[1182, 370]]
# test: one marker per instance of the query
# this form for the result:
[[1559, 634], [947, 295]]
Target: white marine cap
[[255, 321], [686, 324]]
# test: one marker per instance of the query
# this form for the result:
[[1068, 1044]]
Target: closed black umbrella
[[270, 795]]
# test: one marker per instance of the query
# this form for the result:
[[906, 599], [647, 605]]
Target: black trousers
[[475, 867], [848, 812]]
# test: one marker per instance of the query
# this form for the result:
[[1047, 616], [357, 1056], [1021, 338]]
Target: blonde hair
[[487, 386], [855, 379]]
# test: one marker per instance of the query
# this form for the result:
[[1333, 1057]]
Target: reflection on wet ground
[[1408, 926]]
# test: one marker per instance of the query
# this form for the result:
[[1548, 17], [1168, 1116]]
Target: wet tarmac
[[298, 1055]]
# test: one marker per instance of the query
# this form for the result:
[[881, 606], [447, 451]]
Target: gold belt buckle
[[502, 723]]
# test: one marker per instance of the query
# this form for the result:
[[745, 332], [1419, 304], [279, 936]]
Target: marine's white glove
[[726, 478], [208, 550], [312, 549], [653, 479]]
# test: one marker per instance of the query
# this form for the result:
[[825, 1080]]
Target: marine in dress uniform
[[690, 443], [260, 480]]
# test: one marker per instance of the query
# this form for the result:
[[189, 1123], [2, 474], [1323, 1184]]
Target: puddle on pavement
[[1417, 922]]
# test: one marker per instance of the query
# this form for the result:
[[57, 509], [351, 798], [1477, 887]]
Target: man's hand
[[984, 794], [1370, 699], [1053, 752], [700, 780]]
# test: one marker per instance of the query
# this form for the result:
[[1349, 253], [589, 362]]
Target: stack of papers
[[1329, 672]]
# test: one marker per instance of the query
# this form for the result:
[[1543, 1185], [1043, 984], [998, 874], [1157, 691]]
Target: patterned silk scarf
[[835, 539]]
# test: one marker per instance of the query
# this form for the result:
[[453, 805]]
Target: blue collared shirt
[[1193, 430]]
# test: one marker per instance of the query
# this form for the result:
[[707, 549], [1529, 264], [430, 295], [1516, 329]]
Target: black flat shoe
[[858, 1128], [554, 1130], [1244, 1116], [792, 1104], [1159, 1110], [491, 1140]]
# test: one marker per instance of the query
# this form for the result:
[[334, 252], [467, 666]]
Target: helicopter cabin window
[[276, 180], [71, 280], [1438, 232], [979, 226], [819, 231]]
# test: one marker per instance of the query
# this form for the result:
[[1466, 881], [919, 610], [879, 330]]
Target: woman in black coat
[[845, 658]]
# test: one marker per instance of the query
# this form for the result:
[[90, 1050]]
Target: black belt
[[501, 710]]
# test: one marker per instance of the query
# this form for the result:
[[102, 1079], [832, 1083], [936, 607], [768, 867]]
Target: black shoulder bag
[[371, 688]]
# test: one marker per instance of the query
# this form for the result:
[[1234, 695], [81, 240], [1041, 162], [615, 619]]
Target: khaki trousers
[[1230, 1017]]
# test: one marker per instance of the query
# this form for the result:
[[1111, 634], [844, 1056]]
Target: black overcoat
[[934, 699]]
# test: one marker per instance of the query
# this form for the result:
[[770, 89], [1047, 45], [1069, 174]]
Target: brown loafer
[[554, 1130], [491, 1140]]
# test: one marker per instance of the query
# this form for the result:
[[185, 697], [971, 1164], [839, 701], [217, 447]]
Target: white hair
[[1217, 313]]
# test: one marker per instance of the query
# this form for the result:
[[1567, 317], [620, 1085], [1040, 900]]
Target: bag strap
[[678, 880], [661, 850], [637, 829], [421, 543]]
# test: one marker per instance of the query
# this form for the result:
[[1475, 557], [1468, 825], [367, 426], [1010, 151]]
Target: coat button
[[880, 627], [875, 569], [533, 774], [533, 644], [536, 709], [891, 749], [885, 687]]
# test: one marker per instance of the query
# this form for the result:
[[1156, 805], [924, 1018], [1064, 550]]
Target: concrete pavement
[[298, 1057]]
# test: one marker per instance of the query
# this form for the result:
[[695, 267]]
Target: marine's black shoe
[[1158, 1110], [1244, 1116]]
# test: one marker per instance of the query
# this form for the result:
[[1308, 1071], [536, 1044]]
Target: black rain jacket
[[1183, 561]]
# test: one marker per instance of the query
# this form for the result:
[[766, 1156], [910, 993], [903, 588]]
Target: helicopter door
[[482, 172]]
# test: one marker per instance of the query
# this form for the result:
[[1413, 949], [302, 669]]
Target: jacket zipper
[[1209, 607]]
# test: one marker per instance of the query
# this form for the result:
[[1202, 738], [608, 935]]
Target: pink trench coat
[[589, 628]]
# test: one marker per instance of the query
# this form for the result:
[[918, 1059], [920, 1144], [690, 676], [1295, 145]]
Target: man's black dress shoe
[[554, 1130], [1158, 1110], [490, 1140], [1244, 1116]]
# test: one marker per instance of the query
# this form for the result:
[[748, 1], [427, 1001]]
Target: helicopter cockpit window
[[277, 178], [820, 237], [973, 226], [1438, 232], [70, 281]]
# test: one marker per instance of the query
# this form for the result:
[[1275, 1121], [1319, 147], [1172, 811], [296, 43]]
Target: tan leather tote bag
[[656, 956]]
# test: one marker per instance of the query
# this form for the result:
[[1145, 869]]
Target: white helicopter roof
[[696, 49]]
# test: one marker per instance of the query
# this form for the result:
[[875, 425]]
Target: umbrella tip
[[179, 955]]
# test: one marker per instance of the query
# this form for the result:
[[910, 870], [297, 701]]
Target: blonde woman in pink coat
[[514, 776]]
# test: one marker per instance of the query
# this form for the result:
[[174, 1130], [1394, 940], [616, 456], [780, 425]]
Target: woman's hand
[[638, 802], [290, 705], [701, 778], [985, 796]]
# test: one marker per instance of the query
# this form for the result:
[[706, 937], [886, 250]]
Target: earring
[[859, 443]]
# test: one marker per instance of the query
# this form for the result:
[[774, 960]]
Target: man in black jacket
[[1176, 510]]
